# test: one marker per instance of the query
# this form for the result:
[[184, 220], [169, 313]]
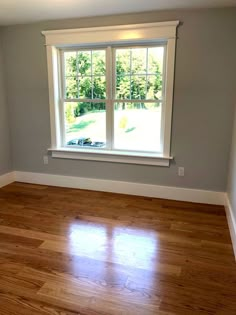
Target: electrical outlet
[[45, 159], [181, 171]]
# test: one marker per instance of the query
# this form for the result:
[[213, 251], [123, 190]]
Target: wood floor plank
[[15, 305], [30, 234]]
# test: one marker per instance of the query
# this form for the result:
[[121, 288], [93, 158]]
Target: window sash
[[110, 139], [111, 72]]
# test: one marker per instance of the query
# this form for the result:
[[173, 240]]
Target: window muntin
[[134, 101]]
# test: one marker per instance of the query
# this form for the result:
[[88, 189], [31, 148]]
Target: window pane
[[154, 87], [71, 87], [138, 87], [85, 124], [99, 87], [70, 63], [123, 61], [137, 126], [84, 63], [155, 60], [85, 87], [139, 60], [123, 87], [99, 62]]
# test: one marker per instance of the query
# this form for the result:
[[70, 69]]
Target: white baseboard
[[7, 179], [165, 192], [231, 222]]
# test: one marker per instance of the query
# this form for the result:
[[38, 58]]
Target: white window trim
[[149, 32]]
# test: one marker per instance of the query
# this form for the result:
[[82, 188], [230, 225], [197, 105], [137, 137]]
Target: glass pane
[[70, 63], [154, 87], [137, 126], [123, 61], [85, 124], [99, 87], [123, 87], [138, 87], [99, 62], [155, 60], [85, 87], [84, 63], [71, 87], [139, 60]]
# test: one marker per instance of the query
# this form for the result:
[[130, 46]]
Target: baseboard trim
[[231, 222], [165, 192], [7, 179]]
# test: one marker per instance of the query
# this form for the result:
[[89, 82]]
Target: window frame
[[93, 38]]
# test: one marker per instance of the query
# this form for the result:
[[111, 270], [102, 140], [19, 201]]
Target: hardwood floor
[[67, 251]]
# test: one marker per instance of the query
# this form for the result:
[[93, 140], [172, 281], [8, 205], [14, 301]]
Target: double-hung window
[[111, 92]]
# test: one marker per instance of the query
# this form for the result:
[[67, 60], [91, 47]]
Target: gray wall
[[5, 160], [232, 171], [203, 100]]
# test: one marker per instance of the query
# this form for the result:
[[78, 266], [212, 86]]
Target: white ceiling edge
[[27, 11]]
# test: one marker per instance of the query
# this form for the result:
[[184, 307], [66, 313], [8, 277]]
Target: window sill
[[108, 156]]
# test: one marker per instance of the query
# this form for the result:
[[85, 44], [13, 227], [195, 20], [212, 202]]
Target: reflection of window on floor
[[126, 246]]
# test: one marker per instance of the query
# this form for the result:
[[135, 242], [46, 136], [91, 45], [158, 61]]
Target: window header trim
[[118, 33]]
